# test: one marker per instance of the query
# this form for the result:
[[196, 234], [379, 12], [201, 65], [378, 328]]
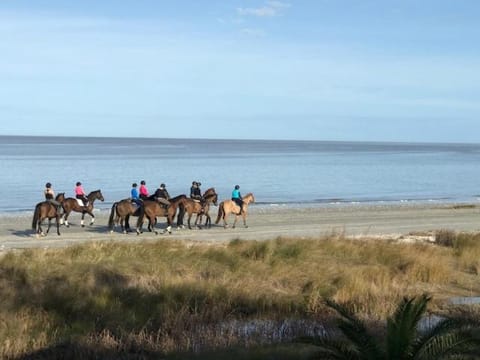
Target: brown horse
[[227, 207], [153, 209], [71, 204], [191, 207], [121, 212], [46, 210]]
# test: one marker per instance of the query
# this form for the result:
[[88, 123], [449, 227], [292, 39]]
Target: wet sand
[[384, 221]]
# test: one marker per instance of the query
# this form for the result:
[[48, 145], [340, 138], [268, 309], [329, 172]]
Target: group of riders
[[138, 194]]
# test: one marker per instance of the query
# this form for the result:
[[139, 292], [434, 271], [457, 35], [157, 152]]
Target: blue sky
[[390, 70]]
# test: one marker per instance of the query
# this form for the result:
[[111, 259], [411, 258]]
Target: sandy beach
[[384, 221]]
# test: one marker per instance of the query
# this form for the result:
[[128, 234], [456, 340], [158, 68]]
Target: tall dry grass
[[173, 296]]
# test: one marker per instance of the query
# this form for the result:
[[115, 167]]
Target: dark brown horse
[[227, 207], [153, 209], [71, 204], [191, 207], [121, 212], [47, 210]]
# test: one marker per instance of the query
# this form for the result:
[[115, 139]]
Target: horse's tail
[[112, 215], [36, 216], [221, 213]]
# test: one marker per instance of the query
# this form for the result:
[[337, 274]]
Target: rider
[[237, 198], [143, 190], [50, 197], [80, 193], [196, 194], [162, 195], [134, 195]]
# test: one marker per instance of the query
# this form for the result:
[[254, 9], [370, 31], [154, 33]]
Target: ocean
[[279, 173]]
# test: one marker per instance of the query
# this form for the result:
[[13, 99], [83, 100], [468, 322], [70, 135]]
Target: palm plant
[[450, 338]]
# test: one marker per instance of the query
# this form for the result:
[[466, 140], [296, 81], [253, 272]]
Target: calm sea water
[[290, 173]]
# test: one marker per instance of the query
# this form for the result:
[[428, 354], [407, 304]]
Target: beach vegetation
[[169, 297], [404, 337]]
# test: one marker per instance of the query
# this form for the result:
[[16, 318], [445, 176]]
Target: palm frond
[[356, 332], [402, 326]]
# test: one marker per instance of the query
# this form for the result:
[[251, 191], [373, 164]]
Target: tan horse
[[227, 207], [191, 207], [46, 210], [71, 204]]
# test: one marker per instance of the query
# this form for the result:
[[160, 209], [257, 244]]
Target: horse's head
[[97, 194], [208, 192], [214, 199], [60, 197], [249, 198]]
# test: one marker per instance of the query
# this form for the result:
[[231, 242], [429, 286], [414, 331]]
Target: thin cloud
[[253, 32], [270, 9]]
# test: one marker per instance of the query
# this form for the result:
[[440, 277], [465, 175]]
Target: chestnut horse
[[121, 212], [71, 204], [191, 207], [153, 209], [47, 210], [227, 207]]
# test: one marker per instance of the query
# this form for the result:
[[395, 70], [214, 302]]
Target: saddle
[[80, 202]]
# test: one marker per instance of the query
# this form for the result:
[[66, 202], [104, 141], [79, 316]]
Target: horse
[[227, 207], [191, 207], [71, 204], [47, 210], [123, 209], [153, 209]]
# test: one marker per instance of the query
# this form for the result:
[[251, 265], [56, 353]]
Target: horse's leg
[[90, 212], [235, 221], [49, 225], [39, 227], [189, 218], [224, 218], [126, 224], [67, 213], [244, 215], [57, 218], [197, 218], [152, 223], [208, 221]]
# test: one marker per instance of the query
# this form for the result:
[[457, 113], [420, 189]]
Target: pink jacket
[[79, 190], [143, 190]]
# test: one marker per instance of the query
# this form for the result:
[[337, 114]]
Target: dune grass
[[174, 297]]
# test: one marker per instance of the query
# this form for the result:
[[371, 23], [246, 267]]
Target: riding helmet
[[79, 183], [162, 186], [142, 182], [134, 185], [194, 183], [48, 185], [237, 187], [199, 183]]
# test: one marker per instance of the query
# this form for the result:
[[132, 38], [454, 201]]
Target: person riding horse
[[143, 190], [237, 198], [134, 195], [50, 197], [196, 194], [80, 193], [161, 195]]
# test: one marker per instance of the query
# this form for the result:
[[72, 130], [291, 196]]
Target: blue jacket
[[134, 194], [236, 194]]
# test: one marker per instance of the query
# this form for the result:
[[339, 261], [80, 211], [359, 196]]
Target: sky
[[356, 70]]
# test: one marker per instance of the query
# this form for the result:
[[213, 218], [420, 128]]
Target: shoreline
[[386, 221]]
